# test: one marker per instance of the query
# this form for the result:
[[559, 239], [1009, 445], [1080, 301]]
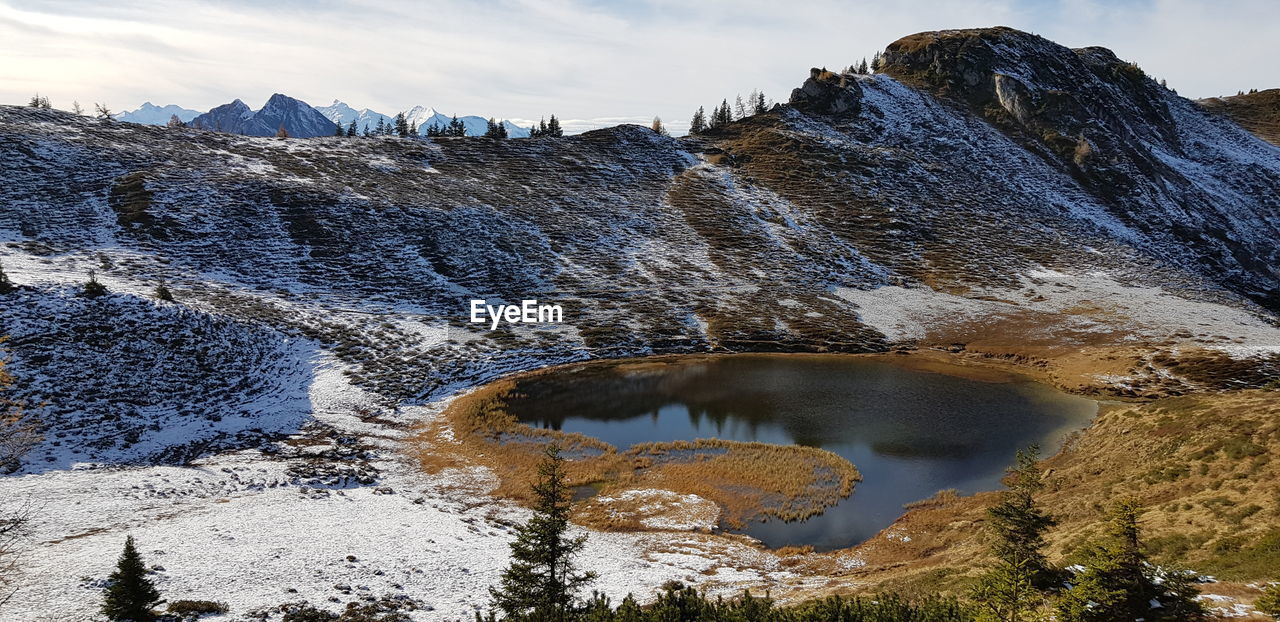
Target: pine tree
[[76, 108], [723, 115], [40, 101], [282, 133], [1011, 591], [698, 124], [657, 127], [877, 61], [6, 285], [493, 129], [862, 66], [543, 580], [102, 112], [401, 125], [174, 122], [456, 127], [1118, 583], [758, 103], [739, 108], [380, 129], [130, 595], [553, 128], [337, 129]]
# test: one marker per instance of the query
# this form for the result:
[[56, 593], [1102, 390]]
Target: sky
[[592, 63]]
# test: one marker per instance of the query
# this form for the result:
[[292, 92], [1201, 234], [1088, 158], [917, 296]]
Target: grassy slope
[[1201, 464], [1257, 112]]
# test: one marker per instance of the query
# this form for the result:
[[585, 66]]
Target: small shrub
[[6, 285], [191, 609], [1269, 602], [163, 293], [94, 289], [308, 613]]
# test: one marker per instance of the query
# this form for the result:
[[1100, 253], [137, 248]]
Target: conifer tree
[[698, 124], [40, 101], [351, 129], [102, 112], [758, 103], [337, 130], [739, 108], [495, 129], [1118, 583], [723, 115], [456, 127], [282, 133], [163, 293], [542, 581], [401, 125], [174, 122], [877, 60], [553, 128], [1011, 591], [380, 129], [130, 596], [76, 108]]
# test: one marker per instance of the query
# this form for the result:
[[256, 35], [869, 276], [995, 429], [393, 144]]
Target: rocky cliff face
[[1137, 147]]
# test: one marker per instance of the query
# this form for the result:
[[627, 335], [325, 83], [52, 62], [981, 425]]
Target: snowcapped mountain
[[295, 116], [151, 114], [343, 115], [421, 116]]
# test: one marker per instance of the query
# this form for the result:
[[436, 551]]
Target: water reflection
[[910, 433]]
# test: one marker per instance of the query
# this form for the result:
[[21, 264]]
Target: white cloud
[[582, 60]]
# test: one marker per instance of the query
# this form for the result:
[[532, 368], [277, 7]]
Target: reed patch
[[748, 481]]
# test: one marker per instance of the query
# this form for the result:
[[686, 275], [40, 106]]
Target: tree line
[[725, 113]]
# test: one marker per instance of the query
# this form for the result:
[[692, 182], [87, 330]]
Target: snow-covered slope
[[151, 114]]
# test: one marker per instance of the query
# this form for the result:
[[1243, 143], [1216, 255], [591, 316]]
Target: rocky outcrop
[[1125, 137], [828, 93]]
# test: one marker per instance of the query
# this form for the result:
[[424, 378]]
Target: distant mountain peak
[[151, 114], [297, 118]]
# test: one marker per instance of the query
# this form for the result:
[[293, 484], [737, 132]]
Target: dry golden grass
[[747, 480], [1202, 465]]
